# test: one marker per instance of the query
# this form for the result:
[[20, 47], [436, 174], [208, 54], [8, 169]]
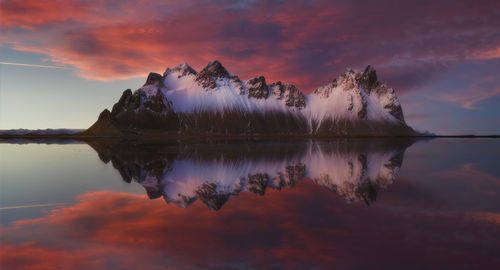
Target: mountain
[[216, 102], [215, 172]]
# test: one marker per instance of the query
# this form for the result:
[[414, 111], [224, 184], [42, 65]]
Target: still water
[[335, 204]]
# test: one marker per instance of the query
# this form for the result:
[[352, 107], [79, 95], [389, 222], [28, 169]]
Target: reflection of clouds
[[488, 216], [296, 228], [470, 173]]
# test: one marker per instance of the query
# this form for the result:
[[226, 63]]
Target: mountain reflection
[[213, 172]]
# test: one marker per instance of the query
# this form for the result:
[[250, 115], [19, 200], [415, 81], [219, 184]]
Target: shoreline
[[260, 136]]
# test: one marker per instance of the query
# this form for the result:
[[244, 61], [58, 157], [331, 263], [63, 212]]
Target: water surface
[[331, 204]]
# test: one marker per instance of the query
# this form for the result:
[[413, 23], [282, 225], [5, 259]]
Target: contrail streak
[[30, 205], [31, 65]]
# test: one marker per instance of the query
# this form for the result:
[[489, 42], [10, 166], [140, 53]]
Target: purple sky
[[442, 57]]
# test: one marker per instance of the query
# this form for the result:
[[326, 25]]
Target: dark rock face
[[362, 112], [124, 101], [104, 126], [396, 111], [210, 73], [154, 79], [238, 84], [216, 69], [257, 87], [105, 116], [207, 193], [291, 176], [257, 183], [369, 82], [292, 96], [206, 81], [368, 79], [138, 111], [394, 108], [183, 69], [276, 89]]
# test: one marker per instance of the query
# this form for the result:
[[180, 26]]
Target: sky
[[441, 57]]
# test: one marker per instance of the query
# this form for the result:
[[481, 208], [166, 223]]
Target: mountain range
[[216, 102]]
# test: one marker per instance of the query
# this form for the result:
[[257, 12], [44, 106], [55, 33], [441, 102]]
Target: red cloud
[[32, 14], [307, 43], [287, 229]]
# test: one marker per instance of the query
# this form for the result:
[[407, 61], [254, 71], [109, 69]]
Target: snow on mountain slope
[[214, 101], [343, 98], [187, 94]]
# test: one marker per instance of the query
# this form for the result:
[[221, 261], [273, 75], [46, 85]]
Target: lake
[[282, 204]]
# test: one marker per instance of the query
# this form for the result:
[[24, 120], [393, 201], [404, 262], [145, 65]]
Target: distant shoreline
[[254, 136]]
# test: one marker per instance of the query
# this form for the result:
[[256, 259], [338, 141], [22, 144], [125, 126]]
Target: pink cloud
[[307, 43], [36, 13], [484, 183]]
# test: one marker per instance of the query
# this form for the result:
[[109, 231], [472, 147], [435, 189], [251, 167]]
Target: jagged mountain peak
[[257, 87], [214, 101], [289, 93], [183, 70], [362, 90], [369, 77], [352, 78], [216, 69], [213, 71], [154, 79], [348, 79]]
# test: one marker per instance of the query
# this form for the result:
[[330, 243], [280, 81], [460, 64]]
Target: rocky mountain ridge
[[216, 102]]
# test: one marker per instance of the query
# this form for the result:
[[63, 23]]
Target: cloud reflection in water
[[307, 226]]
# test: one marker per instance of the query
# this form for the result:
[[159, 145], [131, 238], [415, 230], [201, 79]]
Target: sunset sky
[[442, 57]]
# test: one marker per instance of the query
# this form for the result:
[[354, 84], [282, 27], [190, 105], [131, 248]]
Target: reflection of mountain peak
[[214, 172], [211, 197]]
